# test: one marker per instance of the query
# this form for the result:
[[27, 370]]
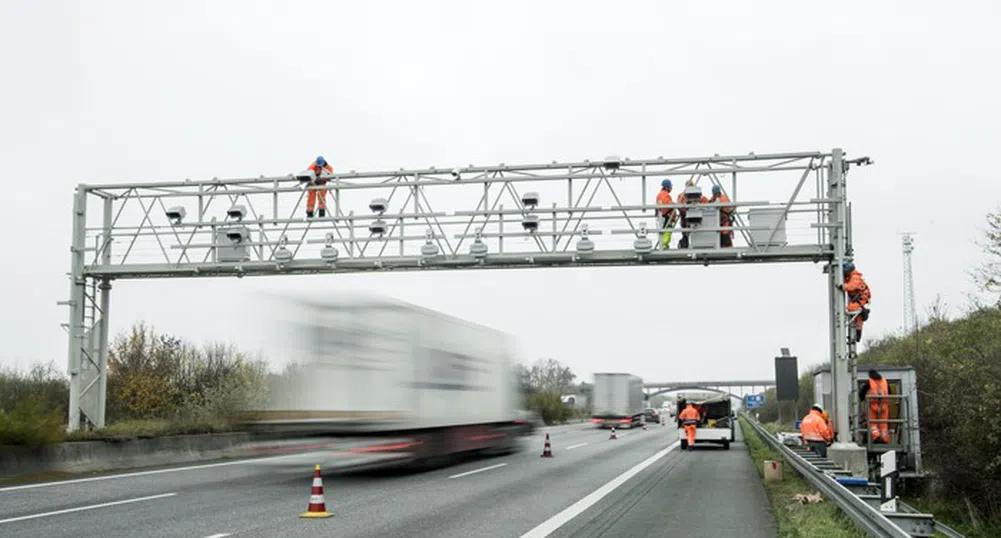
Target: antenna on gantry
[[910, 308]]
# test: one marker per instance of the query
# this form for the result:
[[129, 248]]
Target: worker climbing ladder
[[856, 297], [852, 372]]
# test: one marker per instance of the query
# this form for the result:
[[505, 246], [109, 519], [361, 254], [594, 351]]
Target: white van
[[717, 425]]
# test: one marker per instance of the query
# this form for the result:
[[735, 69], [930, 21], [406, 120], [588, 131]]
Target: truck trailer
[[717, 421], [617, 400], [377, 382]]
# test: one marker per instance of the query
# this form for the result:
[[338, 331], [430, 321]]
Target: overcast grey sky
[[130, 91]]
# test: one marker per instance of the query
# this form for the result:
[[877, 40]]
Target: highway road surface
[[638, 485]]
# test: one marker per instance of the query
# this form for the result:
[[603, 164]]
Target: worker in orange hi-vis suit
[[690, 419], [816, 434], [725, 216], [668, 216], [859, 296], [879, 408], [318, 166]]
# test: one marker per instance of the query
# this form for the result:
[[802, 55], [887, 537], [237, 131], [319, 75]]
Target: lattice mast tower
[[910, 309]]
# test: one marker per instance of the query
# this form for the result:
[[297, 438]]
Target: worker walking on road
[[668, 216], [318, 166], [879, 408], [816, 434], [725, 216], [689, 418], [859, 295]]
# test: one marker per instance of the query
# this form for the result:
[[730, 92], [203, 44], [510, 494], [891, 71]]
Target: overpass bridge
[[654, 389]]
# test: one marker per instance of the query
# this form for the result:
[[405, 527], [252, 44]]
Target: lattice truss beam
[[599, 212]]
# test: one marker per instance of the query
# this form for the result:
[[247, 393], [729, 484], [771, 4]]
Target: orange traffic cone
[[644, 425], [663, 421], [613, 436], [317, 506], [547, 451]]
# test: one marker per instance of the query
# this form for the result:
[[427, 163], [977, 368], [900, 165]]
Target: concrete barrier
[[88, 456]]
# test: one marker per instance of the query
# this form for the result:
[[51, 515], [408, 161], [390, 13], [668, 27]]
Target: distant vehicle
[[652, 416], [717, 424], [617, 400], [384, 383]]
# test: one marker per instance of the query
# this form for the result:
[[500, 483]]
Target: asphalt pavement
[[638, 485]]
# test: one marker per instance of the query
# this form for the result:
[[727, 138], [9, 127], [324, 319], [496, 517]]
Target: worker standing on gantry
[[689, 418], [725, 216], [815, 431], [318, 167], [691, 195], [879, 408], [668, 216], [859, 295]]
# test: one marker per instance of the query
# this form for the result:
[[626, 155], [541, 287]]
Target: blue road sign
[[754, 401]]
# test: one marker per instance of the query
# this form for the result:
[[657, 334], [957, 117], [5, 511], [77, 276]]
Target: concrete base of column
[[850, 456]]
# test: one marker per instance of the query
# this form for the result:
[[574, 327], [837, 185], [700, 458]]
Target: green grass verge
[[145, 429], [796, 520], [31, 431], [30, 424], [955, 515]]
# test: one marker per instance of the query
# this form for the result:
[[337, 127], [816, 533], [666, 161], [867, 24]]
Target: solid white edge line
[[550, 525], [90, 507], [223, 535], [467, 473], [140, 473], [571, 447]]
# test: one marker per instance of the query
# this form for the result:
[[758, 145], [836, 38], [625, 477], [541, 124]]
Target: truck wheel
[[684, 444], [726, 444]]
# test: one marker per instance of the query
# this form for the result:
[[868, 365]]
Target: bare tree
[[524, 376], [543, 384], [939, 310], [988, 274], [550, 376]]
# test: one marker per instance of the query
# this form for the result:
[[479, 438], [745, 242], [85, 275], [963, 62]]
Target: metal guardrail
[[861, 508], [940, 527]]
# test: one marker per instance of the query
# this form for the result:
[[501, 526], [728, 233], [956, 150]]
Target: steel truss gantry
[[790, 207]]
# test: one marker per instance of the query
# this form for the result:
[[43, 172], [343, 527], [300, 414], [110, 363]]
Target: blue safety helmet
[[717, 189], [320, 161], [848, 267], [666, 184]]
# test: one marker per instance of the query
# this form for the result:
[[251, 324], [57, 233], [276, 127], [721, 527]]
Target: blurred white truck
[[617, 400], [378, 381]]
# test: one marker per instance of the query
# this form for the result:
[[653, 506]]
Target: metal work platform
[[904, 418]]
